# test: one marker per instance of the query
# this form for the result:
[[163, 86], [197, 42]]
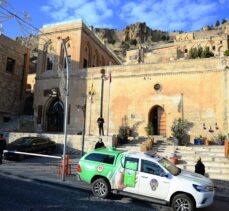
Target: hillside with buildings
[[139, 43]]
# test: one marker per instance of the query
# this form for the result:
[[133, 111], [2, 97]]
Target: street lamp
[[91, 94], [102, 85], [83, 109]]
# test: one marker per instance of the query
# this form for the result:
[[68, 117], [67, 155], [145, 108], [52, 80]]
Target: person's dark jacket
[[199, 167], [99, 145], [100, 121], [2, 144]]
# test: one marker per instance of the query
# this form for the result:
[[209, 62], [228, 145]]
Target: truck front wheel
[[101, 188], [182, 202]]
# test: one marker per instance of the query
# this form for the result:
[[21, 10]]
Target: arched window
[[87, 60], [47, 58], [62, 58], [55, 116]]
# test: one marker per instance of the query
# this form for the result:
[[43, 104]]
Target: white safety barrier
[[33, 154]]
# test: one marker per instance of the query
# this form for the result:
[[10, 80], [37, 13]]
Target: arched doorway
[[28, 106], [157, 117], [55, 116]]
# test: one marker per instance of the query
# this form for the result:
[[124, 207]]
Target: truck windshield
[[170, 167]]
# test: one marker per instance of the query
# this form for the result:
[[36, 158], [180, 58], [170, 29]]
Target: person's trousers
[[101, 132]]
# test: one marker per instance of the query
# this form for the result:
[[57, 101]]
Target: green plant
[[180, 128], [199, 52], [124, 131], [226, 53], [206, 53], [222, 137], [113, 42], [163, 37], [217, 23], [149, 129]]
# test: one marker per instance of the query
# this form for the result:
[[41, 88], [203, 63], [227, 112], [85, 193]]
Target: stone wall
[[12, 84], [203, 83]]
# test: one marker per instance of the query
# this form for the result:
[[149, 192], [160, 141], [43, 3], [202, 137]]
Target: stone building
[[85, 50], [216, 40], [196, 90], [14, 64]]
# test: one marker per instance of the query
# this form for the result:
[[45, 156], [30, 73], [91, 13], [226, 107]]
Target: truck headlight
[[201, 188]]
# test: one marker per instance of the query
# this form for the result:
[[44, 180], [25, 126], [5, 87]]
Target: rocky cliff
[[130, 37]]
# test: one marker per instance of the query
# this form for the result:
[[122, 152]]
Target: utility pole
[[65, 106]]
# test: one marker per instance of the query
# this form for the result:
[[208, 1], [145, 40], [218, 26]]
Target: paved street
[[25, 194], [35, 184]]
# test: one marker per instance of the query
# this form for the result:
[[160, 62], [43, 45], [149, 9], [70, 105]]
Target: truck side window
[[102, 158], [151, 168], [134, 160]]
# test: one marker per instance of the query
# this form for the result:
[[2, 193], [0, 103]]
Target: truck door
[[152, 182], [130, 175]]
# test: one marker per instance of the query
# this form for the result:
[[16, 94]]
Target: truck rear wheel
[[101, 188], [182, 202]]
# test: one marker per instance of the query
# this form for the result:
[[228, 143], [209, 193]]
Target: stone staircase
[[135, 143], [216, 165]]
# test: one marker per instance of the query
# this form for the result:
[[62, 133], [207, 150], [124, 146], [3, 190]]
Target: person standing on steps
[[100, 122], [199, 167]]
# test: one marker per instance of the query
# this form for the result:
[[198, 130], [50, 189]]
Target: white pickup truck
[[144, 176]]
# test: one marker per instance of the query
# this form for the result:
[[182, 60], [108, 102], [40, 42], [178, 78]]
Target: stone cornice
[[199, 66]]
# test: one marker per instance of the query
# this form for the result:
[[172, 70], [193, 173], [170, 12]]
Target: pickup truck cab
[[144, 176]]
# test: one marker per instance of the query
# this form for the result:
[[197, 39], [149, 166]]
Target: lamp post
[[102, 85], [63, 41], [83, 108]]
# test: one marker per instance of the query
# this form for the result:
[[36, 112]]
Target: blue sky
[[168, 15]]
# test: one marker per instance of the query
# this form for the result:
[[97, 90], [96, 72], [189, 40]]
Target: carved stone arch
[[88, 54], [45, 54], [54, 115], [96, 58], [157, 117], [219, 50], [67, 42]]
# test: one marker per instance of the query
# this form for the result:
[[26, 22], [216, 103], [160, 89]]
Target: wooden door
[[161, 122]]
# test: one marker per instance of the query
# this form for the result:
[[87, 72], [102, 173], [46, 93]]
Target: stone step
[[193, 157], [211, 175], [193, 148], [191, 154], [208, 169], [207, 164]]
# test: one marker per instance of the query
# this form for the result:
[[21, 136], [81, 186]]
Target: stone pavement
[[44, 170]]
